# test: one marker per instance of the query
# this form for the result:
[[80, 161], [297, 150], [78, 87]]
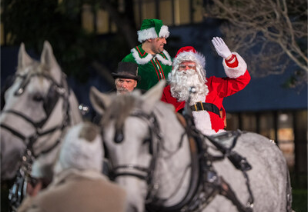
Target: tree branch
[[271, 31]]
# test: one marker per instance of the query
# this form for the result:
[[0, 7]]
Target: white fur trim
[[189, 56], [237, 71], [145, 60], [203, 121], [146, 34], [164, 32], [164, 61], [151, 33], [139, 60]]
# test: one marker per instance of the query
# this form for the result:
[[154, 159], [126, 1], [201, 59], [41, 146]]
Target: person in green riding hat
[[153, 60]]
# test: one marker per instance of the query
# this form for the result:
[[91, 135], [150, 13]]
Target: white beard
[[180, 83]]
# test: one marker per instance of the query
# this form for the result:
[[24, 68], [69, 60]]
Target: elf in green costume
[[153, 61]]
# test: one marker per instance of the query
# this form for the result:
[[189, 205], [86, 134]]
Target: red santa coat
[[219, 88]]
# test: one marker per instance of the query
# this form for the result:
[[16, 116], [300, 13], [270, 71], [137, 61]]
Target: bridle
[[140, 172], [155, 141], [205, 183], [55, 92]]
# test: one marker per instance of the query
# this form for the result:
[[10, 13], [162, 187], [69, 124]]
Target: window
[[102, 22], [2, 35], [98, 21], [165, 12], [181, 12], [197, 11], [300, 140], [171, 12], [249, 122], [87, 18], [232, 121], [286, 136], [266, 125], [148, 9]]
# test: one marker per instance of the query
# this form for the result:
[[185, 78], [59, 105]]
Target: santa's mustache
[[181, 81]]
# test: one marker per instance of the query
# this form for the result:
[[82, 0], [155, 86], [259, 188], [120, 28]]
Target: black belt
[[205, 106]]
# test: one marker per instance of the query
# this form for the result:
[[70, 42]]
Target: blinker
[[19, 91]]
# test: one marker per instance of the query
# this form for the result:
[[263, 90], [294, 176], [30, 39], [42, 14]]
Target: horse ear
[[99, 100], [48, 59], [152, 96], [24, 59]]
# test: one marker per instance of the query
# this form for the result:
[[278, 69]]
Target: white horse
[[39, 106], [155, 160]]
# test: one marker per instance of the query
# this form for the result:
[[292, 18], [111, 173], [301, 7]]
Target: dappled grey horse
[[157, 160], [39, 106]]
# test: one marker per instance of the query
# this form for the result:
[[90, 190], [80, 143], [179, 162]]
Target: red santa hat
[[188, 53]]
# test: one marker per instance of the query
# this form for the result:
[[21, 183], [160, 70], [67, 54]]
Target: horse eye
[[38, 97]]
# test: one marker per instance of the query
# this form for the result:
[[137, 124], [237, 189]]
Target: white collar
[[148, 57]]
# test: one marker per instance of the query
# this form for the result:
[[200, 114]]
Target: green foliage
[[299, 203], [34, 21], [299, 192]]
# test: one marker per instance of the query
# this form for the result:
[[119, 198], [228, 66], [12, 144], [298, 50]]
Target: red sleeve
[[228, 86], [232, 62]]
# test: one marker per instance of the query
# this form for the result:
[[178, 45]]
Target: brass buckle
[[201, 105]]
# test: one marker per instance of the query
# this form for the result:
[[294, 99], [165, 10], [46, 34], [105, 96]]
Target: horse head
[[38, 106], [142, 136]]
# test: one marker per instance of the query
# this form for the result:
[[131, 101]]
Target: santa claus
[[206, 104]]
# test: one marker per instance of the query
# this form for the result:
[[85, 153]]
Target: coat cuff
[[237, 71]]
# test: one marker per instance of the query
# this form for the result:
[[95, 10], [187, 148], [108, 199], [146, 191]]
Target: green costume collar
[[142, 57]]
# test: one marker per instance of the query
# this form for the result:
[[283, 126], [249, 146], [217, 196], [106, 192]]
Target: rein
[[56, 91]]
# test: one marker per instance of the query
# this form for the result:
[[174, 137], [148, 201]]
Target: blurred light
[[283, 117]]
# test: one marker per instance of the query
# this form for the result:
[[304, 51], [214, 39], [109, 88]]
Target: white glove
[[221, 48]]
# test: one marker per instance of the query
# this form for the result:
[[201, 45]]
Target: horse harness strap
[[192, 195], [203, 174], [200, 106], [18, 190], [37, 125], [14, 132], [143, 173], [197, 196], [239, 163]]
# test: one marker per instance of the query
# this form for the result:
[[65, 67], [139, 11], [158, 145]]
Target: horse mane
[[34, 67], [89, 131], [119, 109]]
